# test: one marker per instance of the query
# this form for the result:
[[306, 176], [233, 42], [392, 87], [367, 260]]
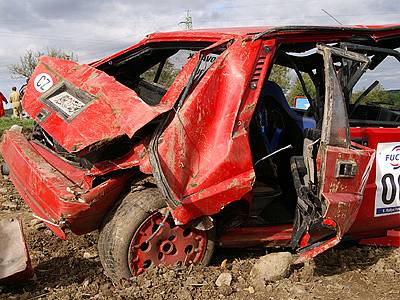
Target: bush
[[7, 122]]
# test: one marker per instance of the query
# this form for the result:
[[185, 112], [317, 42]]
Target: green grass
[[7, 122]]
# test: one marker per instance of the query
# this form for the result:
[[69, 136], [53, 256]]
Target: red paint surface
[[392, 239], [114, 108], [211, 163], [205, 155], [272, 236], [169, 246], [366, 224], [51, 195], [344, 195]]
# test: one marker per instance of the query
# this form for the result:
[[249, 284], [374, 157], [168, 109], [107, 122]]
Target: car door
[[330, 179]]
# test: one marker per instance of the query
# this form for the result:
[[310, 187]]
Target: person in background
[[2, 99], [15, 101]]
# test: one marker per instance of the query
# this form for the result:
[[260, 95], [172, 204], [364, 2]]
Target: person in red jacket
[[2, 99]]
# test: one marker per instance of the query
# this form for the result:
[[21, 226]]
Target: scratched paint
[[204, 151]]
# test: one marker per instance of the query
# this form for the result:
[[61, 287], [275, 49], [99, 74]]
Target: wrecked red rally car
[[170, 167]]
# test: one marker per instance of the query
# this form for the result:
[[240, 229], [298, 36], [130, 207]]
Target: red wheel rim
[[170, 245]]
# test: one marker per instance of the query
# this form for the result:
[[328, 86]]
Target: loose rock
[[10, 205], [225, 290], [34, 222], [298, 289], [251, 290], [38, 225], [224, 279], [16, 128], [184, 294], [91, 254], [270, 267]]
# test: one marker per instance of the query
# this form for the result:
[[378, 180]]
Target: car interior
[[276, 125]]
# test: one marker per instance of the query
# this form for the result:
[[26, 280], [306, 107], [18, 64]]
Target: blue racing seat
[[273, 90], [293, 125]]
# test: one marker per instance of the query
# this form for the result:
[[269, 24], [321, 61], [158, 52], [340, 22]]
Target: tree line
[[378, 96], [28, 61]]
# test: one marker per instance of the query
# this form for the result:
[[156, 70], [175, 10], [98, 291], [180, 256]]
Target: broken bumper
[[60, 201]]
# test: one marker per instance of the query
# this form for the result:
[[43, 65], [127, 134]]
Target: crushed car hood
[[82, 107]]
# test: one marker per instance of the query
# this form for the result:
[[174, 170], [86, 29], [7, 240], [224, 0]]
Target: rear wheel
[[140, 234]]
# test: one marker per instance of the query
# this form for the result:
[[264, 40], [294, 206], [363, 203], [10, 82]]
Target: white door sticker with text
[[387, 198], [205, 64]]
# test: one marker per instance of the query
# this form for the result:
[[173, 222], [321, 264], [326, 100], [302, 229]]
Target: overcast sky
[[94, 29]]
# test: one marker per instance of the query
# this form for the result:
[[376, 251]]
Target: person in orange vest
[[2, 99], [15, 101]]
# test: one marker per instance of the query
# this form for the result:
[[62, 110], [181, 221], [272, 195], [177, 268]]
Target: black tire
[[120, 226]]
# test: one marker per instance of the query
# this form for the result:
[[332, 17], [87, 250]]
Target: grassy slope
[[7, 122]]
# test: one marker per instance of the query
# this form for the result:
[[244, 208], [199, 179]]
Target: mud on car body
[[166, 173]]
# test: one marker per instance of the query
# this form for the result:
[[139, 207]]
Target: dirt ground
[[71, 270]]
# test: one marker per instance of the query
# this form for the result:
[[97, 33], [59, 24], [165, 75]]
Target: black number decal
[[393, 189], [41, 84]]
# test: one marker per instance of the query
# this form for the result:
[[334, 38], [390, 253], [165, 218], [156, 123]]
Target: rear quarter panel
[[366, 223]]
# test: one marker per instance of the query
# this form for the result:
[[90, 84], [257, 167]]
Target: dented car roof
[[214, 34]]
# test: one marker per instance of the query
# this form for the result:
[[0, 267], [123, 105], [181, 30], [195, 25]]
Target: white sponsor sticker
[[43, 82], [387, 198], [66, 103], [206, 63]]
